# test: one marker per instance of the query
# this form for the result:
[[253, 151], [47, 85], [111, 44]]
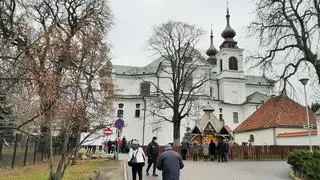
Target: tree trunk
[[75, 154], [317, 67], [176, 132], [64, 157]]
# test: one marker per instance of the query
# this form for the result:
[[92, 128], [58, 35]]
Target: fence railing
[[252, 152], [264, 152], [23, 152]]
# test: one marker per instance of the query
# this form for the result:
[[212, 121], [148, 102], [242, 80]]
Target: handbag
[[133, 159]]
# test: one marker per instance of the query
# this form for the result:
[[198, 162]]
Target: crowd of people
[[213, 151], [112, 146], [169, 162]]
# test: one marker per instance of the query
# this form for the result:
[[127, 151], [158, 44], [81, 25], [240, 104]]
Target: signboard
[[119, 124], [107, 131]]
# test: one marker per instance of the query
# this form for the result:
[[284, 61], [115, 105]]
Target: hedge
[[305, 164]]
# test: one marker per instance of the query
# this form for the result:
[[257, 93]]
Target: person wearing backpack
[[136, 159]]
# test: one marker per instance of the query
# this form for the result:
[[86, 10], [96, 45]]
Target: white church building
[[233, 94]]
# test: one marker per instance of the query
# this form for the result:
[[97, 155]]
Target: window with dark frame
[[120, 110], [233, 63], [137, 112], [145, 88], [235, 117], [220, 117], [220, 65], [120, 113]]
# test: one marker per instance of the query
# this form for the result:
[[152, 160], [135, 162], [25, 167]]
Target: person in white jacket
[[136, 153]]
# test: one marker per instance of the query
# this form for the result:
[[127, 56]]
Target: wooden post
[[26, 152], [35, 151], [1, 147], [14, 151]]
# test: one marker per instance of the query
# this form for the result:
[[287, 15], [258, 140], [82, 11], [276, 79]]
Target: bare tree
[[290, 32], [175, 43], [55, 50]]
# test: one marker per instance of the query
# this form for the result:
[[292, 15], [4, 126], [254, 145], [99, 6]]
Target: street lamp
[[304, 81]]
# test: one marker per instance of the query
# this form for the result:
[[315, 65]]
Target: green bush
[[305, 164]]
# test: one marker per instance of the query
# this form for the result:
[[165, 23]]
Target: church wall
[[227, 111], [133, 125], [249, 109], [123, 82], [233, 91]]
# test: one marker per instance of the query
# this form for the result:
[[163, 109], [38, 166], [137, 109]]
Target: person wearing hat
[[170, 163], [152, 153], [136, 159]]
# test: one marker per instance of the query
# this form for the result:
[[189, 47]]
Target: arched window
[[233, 63], [220, 65]]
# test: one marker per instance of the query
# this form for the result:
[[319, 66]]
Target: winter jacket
[[205, 150], [140, 156], [212, 147], [170, 163], [153, 150]]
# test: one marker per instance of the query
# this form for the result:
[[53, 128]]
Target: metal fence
[[22, 152]]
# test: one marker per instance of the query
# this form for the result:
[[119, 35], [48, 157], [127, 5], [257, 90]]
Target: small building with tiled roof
[[209, 127], [280, 121]]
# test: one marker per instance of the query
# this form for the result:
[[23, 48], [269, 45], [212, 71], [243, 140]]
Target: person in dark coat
[[225, 150], [184, 150], [152, 153], [220, 151], [170, 163], [212, 150]]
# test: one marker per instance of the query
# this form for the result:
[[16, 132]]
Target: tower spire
[[212, 51], [228, 33]]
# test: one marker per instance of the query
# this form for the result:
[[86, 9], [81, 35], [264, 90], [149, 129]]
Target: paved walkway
[[232, 170]]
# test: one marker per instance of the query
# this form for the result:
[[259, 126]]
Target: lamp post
[[304, 81]]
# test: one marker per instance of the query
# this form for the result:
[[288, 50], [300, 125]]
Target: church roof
[[257, 97], [134, 70], [258, 80], [277, 112]]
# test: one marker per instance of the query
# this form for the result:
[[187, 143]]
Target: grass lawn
[[109, 169]]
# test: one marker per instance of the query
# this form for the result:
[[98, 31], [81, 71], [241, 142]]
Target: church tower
[[106, 82], [230, 73], [211, 52]]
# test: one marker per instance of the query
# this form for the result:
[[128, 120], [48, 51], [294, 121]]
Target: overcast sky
[[134, 19]]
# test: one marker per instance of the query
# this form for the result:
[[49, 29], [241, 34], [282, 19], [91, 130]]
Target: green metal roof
[[133, 70], [258, 80], [257, 97]]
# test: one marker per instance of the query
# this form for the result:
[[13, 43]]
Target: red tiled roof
[[297, 134], [277, 112]]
